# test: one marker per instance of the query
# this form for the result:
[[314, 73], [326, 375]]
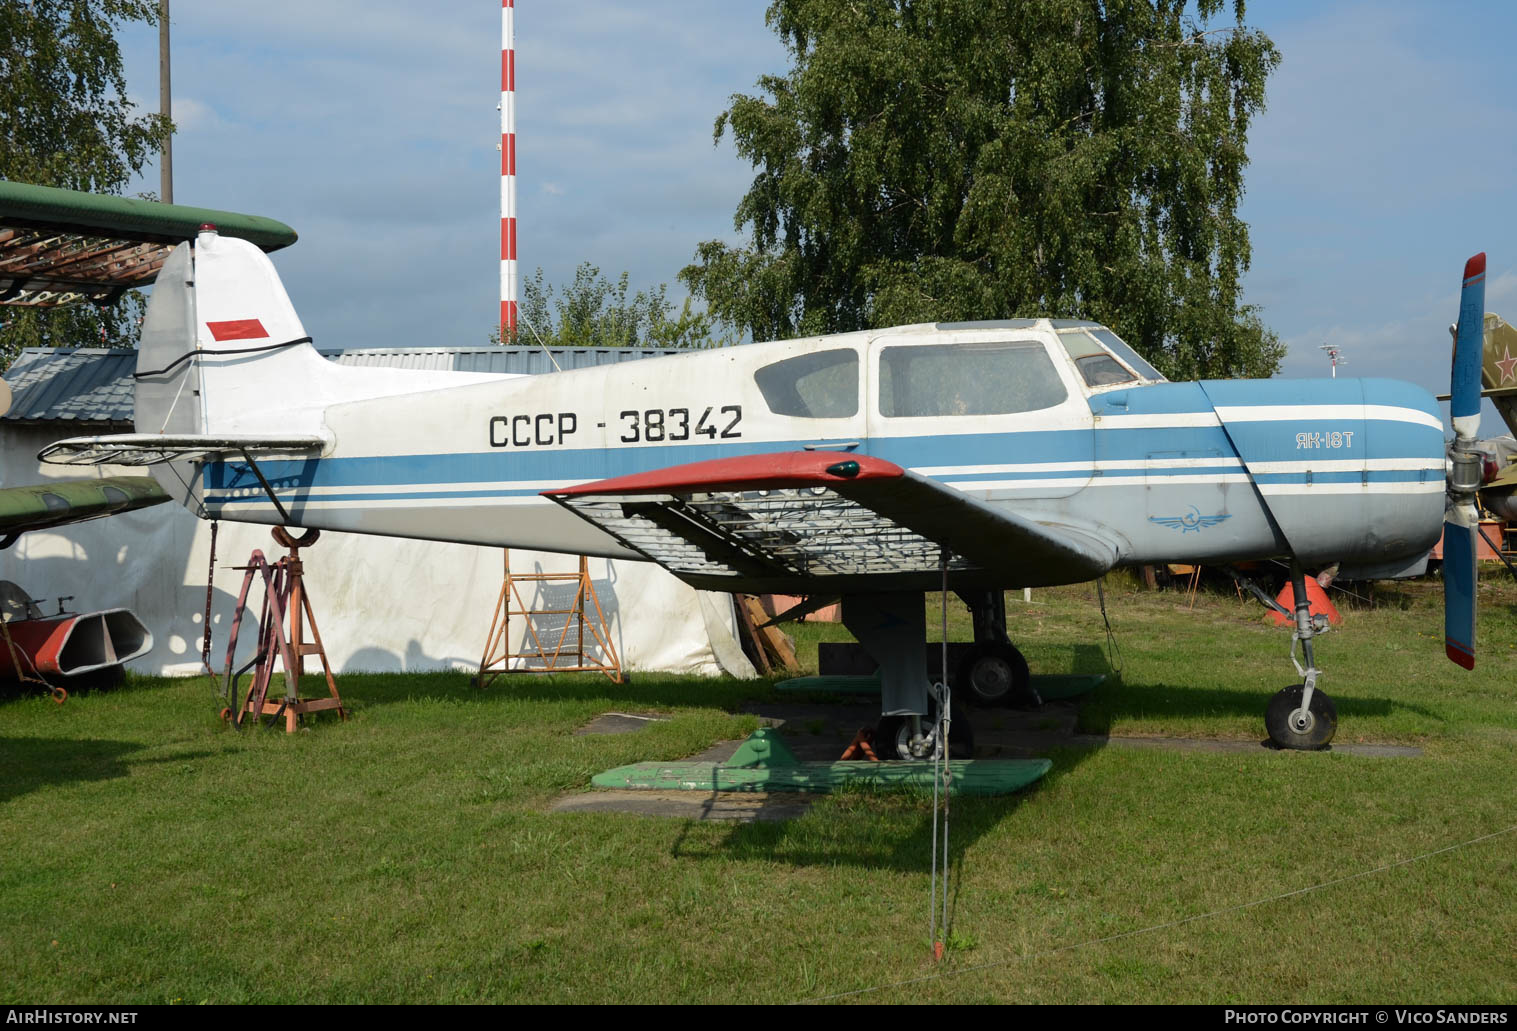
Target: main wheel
[[995, 673], [1291, 726], [892, 737]]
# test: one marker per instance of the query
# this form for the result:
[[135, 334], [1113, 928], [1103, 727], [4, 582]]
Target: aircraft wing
[[64, 246], [59, 502], [761, 522]]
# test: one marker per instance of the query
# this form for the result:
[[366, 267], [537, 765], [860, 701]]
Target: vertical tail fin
[[224, 304]]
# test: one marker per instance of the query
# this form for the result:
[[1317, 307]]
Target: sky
[[1384, 159]]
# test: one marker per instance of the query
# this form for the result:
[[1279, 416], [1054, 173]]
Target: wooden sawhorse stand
[[556, 655]]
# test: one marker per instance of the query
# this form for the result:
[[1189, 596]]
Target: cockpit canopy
[[1013, 369]]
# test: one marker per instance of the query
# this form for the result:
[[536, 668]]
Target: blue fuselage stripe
[[1060, 455]]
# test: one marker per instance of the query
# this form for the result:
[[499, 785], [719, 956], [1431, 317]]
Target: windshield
[[1127, 354], [1101, 356]]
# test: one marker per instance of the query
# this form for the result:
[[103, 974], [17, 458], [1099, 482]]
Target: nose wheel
[[1306, 727], [905, 737]]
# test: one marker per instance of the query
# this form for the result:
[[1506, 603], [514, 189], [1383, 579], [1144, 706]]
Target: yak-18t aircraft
[[871, 465]]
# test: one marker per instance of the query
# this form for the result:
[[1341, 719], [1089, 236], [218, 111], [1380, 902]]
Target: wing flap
[[809, 516]]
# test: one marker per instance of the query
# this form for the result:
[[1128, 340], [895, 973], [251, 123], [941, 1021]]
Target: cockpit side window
[[821, 385], [968, 379]]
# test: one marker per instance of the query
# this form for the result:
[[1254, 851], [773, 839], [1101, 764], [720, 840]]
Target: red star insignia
[[1508, 366]]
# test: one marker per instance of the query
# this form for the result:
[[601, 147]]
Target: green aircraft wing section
[[63, 246], [60, 502]]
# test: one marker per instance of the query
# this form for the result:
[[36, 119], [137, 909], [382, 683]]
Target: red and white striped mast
[[508, 278]]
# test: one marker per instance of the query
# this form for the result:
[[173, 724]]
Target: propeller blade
[[1459, 587], [1469, 346], [1461, 521]]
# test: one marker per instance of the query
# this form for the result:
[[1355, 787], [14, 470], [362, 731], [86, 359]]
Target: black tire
[[891, 736], [995, 673], [1321, 722]]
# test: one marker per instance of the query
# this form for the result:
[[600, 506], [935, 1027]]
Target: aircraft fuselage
[[1348, 470]]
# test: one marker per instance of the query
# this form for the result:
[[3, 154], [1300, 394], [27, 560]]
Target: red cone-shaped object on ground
[[1316, 597]]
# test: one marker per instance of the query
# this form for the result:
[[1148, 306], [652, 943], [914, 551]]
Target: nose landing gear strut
[[1301, 716]]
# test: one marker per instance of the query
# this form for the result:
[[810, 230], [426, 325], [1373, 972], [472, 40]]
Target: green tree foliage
[[955, 159], [595, 312], [65, 121]]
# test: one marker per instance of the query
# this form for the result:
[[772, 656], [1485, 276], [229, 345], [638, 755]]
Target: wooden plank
[[772, 637], [750, 635]]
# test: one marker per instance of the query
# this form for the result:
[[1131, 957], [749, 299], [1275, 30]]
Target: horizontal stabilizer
[[1489, 392], [154, 448]]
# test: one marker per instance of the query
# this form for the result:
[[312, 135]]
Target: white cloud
[[191, 115]]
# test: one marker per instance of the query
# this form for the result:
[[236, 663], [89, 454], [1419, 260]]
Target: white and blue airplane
[[874, 465]]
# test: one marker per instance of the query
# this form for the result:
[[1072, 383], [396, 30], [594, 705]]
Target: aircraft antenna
[[1335, 355], [546, 351], [508, 277]]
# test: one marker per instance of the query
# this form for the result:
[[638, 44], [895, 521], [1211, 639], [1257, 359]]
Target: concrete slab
[[689, 805], [619, 723]]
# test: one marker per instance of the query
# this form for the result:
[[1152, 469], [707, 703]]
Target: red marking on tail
[[237, 329], [1474, 267]]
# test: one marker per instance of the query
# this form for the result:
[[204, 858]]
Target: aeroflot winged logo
[[1192, 520]]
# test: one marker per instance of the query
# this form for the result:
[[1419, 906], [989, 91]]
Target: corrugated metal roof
[[72, 385], [528, 360], [93, 386]]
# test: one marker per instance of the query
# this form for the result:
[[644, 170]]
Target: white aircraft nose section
[[1350, 469]]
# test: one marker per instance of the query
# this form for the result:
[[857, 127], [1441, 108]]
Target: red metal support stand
[[284, 592]]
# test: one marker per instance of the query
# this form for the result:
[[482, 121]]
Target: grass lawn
[[148, 853]]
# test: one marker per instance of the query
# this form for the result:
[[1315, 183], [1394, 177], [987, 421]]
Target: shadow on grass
[[1117, 700], [110, 678], [875, 830], [643, 690], [29, 763]]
